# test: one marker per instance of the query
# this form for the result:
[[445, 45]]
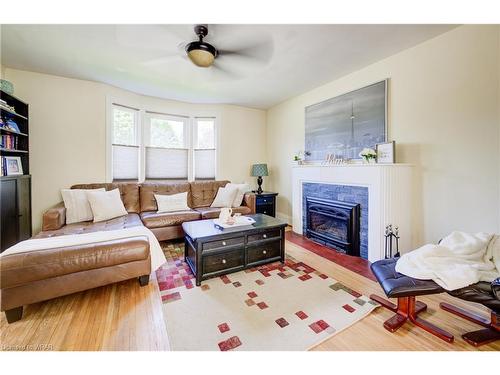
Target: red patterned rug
[[278, 306]]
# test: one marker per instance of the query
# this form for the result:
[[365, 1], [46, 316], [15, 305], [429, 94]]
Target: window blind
[[166, 163], [204, 164], [125, 162]]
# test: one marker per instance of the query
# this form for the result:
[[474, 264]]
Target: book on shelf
[[9, 141]]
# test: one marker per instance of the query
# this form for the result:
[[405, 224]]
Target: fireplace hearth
[[335, 224]]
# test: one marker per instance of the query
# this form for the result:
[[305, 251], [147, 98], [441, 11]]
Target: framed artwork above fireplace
[[346, 124]]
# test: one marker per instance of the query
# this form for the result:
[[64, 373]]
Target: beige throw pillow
[[106, 205], [225, 196], [242, 189], [77, 205], [171, 203]]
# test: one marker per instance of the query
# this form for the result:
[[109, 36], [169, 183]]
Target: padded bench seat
[[405, 288], [122, 222], [397, 285], [153, 219]]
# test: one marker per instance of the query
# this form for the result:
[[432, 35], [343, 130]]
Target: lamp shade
[[259, 170]]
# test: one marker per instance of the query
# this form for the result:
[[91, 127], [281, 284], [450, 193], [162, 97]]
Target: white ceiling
[[280, 61]]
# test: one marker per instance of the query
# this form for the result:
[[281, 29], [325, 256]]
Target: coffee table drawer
[[262, 252], [264, 235], [227, 260], [221, 244]]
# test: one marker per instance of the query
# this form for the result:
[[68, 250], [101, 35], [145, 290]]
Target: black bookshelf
[[20, 116], [15, 190]]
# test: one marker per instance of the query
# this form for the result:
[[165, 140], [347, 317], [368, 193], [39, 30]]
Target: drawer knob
[[223, 261], [223, 243], [264, 235], [264, 252]]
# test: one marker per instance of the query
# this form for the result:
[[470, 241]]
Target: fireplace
[[333, 223]]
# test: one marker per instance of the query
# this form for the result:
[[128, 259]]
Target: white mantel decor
[[390, 194]]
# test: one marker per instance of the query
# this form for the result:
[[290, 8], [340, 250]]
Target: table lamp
[[259, 170]]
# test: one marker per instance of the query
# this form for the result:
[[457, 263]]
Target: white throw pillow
[[225, 196], [106, 205], [77, 205], [171, 203], [242, 189]]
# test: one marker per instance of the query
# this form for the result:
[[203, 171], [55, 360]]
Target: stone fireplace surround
[[389, 198], [341, 193]]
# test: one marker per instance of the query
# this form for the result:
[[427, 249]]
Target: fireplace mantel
[[390, 194]]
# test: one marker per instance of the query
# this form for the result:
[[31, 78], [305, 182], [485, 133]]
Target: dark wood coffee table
[[211, 252]]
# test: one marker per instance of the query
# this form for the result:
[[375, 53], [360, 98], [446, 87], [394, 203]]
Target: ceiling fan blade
[[259, 52], [180, 53], [224, 72]]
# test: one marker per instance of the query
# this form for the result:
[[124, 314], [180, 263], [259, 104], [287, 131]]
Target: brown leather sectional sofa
[[36, 276], [140, 203]]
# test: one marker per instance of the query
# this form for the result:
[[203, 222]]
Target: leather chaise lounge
[[486, 294], [36, 276], [406, 289]]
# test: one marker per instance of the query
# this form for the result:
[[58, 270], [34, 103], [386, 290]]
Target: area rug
[[278, 306]]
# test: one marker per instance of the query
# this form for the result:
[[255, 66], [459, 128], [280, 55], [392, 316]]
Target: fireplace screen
[[329, 225], [334, 224]]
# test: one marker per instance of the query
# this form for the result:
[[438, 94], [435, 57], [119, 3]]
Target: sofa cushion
[[106, 205], [149, 189], [225, 197], [165, 219], [129, 193], [128, 221], [172, 202], [77, 205], [214, 212], [242, 189], [203, 192]]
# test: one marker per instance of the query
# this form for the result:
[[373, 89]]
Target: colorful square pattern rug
[[278, 306]]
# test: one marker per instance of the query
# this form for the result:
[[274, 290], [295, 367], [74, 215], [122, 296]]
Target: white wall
[[68, 133], [498, 96], [443, 115]]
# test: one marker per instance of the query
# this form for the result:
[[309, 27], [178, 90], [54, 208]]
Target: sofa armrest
[[54, 218], [495, 288], [249, 201]]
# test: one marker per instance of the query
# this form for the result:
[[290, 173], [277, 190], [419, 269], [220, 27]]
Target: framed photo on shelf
[[13, 166], [386, 152]]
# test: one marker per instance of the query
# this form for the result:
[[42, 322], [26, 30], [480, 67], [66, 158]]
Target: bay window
[[148, 145]]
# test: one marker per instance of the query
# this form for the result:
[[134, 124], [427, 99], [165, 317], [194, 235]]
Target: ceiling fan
[[241, 51], [201, 53]]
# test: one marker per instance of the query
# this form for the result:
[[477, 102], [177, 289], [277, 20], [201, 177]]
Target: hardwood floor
[[125, 316]]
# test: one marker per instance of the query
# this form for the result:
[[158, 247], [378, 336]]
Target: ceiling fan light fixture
[[201, 54]]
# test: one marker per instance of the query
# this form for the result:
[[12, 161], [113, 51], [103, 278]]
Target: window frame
[[110, 139], [143, 132], [195, 142], [148, 115]]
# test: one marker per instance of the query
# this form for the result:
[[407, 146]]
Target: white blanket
[[157, 256], [461, 259]]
